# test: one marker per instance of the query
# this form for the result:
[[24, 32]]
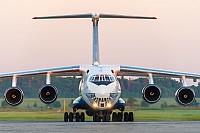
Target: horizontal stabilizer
[[94, 15], [124, 16], [66, 16]]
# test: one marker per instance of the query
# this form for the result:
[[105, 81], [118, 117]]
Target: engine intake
[[151, 93], [48, 93], [184, 96], [14, 96]]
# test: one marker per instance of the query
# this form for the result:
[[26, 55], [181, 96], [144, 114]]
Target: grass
[[167, 115], [153, 113], [30, 116], [140, 115]]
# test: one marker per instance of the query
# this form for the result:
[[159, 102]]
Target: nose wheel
[[104, 118], [96, 118]]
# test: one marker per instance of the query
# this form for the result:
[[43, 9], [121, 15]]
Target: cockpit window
[[102, 79]]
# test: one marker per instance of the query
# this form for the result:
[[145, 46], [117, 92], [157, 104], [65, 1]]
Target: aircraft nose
[[102, 91]]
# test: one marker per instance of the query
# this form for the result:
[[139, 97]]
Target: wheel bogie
[[98, 117], [71, 117], [119, 117]]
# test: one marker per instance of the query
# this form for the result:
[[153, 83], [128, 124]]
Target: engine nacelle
[[151, 93], [14, 96], [184, 96], [48, 93]]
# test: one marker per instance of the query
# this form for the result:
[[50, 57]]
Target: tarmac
[[99, 127]]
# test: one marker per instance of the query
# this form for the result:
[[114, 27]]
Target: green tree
[[131, 102], [164, 105], [35, 105], [4, 103], [28, 106], [56, 104], [194, 103], [144, 104]]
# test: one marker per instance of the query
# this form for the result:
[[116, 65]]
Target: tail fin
[[95, 18]]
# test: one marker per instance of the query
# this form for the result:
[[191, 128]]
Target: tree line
[[68, 86]]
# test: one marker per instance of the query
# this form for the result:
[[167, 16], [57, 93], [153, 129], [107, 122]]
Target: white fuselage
[[99, 86]]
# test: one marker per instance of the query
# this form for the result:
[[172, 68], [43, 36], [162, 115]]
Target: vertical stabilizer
[[95, 19]]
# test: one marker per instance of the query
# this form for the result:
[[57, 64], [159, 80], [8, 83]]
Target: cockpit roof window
[[102, 79]]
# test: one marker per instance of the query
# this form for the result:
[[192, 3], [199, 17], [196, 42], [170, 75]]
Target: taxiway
[[99, 127]]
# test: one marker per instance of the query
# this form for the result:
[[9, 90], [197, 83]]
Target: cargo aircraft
[[99, 87]]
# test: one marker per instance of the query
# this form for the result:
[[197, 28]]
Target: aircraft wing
[[140, 71], [60, 71]]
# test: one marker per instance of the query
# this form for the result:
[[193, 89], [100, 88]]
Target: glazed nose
[[102, 91]]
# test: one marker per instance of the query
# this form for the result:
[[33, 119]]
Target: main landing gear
[[98, 117], [119, 117], [78, 117]]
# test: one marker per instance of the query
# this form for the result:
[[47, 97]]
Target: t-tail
[[95, 18]]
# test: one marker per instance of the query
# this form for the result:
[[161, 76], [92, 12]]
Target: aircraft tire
[[96, 118], [119, 117], [114, 117], [126, 117], [77, 116], [106, 118], [131, 117], [66, 117], [71, 117], [82, 117]]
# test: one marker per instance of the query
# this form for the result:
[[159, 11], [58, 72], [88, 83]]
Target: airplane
[[99, 88]]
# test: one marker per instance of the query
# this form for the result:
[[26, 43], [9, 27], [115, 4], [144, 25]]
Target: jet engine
[[184, 96], [48, 93], [14, 96], [151, 93]]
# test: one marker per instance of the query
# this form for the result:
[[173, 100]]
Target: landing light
[[95, 105], [109, 105]]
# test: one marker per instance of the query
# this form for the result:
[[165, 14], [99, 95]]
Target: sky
[[171, 42]]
